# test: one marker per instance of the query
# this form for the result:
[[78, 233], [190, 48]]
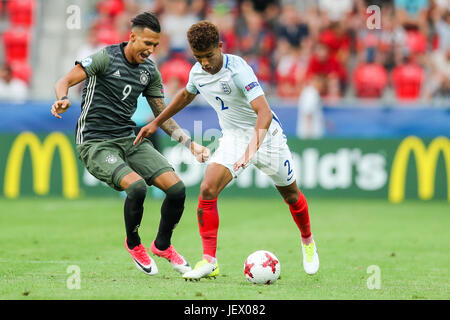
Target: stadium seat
[[408, 80], [21, 12], [416, 42], [21, 70], [370, 80], [17, 44]]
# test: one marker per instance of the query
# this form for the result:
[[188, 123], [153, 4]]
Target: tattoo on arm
[[170, 126]]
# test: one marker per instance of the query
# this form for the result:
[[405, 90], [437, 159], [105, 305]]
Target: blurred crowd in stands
[[343, 48], [340, 44]]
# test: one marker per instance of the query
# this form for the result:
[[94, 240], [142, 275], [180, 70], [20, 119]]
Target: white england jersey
[[229, 92]]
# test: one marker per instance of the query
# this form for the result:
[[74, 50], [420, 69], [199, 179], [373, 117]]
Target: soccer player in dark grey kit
[[115, 77]]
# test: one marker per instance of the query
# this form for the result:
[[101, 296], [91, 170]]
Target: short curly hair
[[203, 35]]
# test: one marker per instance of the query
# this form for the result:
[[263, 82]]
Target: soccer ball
[[262, 267]]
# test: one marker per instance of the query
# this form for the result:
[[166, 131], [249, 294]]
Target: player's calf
[[208, 223], [171, 212], [300, 214], [133, 211]]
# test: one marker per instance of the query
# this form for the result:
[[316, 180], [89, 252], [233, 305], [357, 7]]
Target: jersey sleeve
[[155, 87], [245, 79], [190, 86], [96, 63]]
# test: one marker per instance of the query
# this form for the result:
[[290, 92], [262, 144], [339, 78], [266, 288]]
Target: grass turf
[[409, 242]]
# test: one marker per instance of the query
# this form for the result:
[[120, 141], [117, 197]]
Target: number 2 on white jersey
[[222, 104]]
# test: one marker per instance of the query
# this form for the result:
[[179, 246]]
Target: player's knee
[[177, 192], [137, 190], [208, 191], [291, 197]]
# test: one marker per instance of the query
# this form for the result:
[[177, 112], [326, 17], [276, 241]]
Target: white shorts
[[273, 156]]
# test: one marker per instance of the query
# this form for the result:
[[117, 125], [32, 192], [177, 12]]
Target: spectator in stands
[[314, 18], [199, 8], [438, 85], [272, 16], [290, 28], [222, 16], [389, 41], [337, 39], [290, 70], [323, 64], [245, 8], [11, 89], [255, 39], [442, 26], [370, 78], [256, 44], [310, 120], [408, 79], [175, 22], [412, 14]]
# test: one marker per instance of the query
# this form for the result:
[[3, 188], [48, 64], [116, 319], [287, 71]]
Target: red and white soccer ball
[[262, 267]]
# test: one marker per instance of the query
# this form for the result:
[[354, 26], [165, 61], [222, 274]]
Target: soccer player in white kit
[[252, 134]]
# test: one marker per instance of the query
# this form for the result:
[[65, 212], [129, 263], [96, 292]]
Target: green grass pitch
[[409, 244]]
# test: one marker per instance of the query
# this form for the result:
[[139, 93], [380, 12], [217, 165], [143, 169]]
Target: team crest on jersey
[[225, 87], [144, 77], [111, 159]]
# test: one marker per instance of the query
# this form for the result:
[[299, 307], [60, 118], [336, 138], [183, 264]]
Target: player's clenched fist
[[200, 152], [60, 106]]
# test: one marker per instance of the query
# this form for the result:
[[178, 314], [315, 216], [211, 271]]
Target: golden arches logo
[[426, 163], [41, 158]]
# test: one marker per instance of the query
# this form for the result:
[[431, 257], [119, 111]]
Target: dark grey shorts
[[111, 160]]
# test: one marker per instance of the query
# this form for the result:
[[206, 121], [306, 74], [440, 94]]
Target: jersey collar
[[122, 49]]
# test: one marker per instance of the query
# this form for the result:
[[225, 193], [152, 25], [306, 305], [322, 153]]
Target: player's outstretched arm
[[163, 119], [73, 77], [178, 103], [263, 120]]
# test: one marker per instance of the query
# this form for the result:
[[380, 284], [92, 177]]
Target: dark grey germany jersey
[[110, 94]]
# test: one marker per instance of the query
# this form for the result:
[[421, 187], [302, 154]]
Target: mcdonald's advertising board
[[394, 169]]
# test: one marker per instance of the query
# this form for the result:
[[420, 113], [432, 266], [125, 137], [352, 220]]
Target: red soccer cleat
[[142, 259], [177, 261]]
